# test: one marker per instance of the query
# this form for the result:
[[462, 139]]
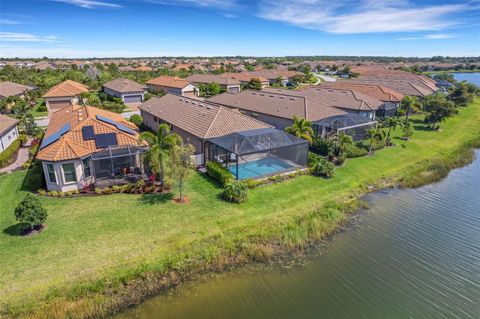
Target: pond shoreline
[[111, 294]]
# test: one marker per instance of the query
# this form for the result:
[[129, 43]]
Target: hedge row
[[7, 154], [219, 173]]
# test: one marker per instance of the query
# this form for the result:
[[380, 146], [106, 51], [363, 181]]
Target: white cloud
[[223, 4], [90, 4], [8, 21], [368, 16], [25, 37], [438, 36]]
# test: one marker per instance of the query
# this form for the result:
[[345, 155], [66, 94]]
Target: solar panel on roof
[[116, 124], [55, 136], [105, 140], [87, 133]]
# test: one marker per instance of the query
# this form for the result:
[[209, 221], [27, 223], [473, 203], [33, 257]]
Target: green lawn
[[86, 237], [34, 111]]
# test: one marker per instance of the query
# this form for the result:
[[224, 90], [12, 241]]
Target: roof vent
[[209, 107], [292, 99]]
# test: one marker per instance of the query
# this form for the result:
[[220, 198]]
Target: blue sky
[[108, 28]]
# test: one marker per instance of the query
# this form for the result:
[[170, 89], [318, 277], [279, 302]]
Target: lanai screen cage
[[258, 153], [387, 110], [119, 165], [351, 124]]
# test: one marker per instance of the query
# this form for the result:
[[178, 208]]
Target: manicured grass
[[89, 237], [34, 111]]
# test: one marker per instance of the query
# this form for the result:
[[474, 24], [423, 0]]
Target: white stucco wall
[[60, 184], [8, 137]]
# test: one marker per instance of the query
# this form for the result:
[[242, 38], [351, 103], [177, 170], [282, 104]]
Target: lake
[[470, 77], [413, 254]]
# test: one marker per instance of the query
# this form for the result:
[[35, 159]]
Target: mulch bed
[[186, 200], [34, 231]]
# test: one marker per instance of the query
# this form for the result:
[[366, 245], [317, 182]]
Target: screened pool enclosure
[[118, 165], [351, 124], [258, 153]]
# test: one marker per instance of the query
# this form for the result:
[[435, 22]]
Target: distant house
[[8, 131], [64, 94], [85, 146], [279, 107], [273, 76], [143, 69], [171, 84], [195, 121], [244, 78], [228, 84], [129, 91], [8, 88]]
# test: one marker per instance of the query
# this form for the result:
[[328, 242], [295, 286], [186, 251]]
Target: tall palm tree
[[161, 144], [410, 104], [391, 123], [343, 141], [301, 128], [374, 134]]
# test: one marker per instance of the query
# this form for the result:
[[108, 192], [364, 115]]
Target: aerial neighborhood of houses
[[234, 112]]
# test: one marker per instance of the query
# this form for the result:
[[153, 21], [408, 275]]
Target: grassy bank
[[99, 254]]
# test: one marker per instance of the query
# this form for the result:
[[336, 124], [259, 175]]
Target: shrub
[[116, 188], [53, 193], [355, 151], [98, 191], [7, 154], [30, 212], [136, 119], [107, 191], [219, 173], [235, 192], [34, 178], [322, 146], [41, 191], [251, 183], [42, 108], [321, 167]]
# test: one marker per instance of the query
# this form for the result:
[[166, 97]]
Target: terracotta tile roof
[[169, 81], [143, 68], [6, 123], [202, 119], [122, 85], [71, 145], [66, 88], [8, 88], [343, 98], [273, 74], [374, 90], [279, 104], [211, 78]]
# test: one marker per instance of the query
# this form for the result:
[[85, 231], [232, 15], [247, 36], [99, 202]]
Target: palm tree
[[343, 141], [161, 144], [410, 104], [374, 134], [391, 123], [301, 128]]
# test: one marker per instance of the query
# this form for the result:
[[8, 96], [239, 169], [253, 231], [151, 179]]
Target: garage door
[[57, 105], [233, 89], [133, 99]]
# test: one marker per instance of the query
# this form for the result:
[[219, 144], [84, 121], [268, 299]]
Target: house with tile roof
[[84, 146], [174, 85], [227, 83], [64, 94], [8, 88], [195, 121], [8, 131], [127, 90]]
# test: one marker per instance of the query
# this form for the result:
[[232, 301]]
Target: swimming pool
[[261, 167]]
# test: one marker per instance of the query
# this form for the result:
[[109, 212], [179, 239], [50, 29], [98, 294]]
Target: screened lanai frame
[[118, 164], [351, 124], [248, 146]]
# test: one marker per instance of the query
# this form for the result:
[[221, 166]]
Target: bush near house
[[320, 166], [219, 173], [235, 192], [30, 213]]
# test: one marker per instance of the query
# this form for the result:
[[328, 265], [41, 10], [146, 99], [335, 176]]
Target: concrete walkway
[[21, 158]]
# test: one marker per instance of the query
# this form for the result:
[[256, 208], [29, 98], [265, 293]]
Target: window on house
[[155, 119], [69, 173], [51, 174], [86, 167]]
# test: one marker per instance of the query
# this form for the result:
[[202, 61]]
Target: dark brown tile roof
[[6, 123], [202, 119], [122, 85], [374, 90], [8, 88], [279, 104], [169, 81]]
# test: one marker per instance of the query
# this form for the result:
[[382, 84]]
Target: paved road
[[324, 78]]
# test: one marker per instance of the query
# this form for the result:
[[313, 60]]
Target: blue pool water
[[258, 168]]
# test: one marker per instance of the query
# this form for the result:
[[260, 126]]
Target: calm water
[[470, 77], [413, 254]]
